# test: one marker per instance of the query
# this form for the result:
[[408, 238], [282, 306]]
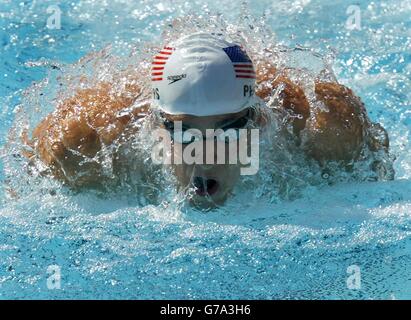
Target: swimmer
[[204, 82]]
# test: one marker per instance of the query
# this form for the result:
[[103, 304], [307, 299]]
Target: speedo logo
[[176, 78]]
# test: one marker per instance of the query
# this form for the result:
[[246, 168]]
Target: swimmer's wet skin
[[210, 86]]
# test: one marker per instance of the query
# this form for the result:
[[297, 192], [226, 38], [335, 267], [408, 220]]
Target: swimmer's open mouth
[[204, 186]]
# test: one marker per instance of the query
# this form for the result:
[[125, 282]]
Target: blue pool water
[[119, 246]]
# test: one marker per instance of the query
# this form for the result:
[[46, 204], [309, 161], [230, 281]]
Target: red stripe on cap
[[158, 62], [156, 79], [165, 52], [160, 58], [243, 66], [158, 68], [244, 71], [245, 77], [168, 48], [157, 74]]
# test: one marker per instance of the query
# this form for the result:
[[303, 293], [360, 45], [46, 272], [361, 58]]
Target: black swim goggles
[[227, 131]]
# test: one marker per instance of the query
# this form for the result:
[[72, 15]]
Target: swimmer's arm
[[270, 82], [80, 127], [337, 134]]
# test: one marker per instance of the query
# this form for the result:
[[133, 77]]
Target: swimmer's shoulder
[[82, 124]]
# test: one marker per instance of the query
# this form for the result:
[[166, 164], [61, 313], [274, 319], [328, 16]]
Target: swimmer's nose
[[205, 186]]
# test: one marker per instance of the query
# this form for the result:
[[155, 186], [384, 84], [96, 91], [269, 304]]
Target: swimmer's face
[[210, 183]]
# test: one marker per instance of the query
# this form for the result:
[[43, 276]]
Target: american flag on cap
[[159, 62], [243, 65]]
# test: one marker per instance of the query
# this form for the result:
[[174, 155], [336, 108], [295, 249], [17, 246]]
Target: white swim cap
[[202, 75]]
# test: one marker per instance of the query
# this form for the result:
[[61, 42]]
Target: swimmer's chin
[[207, 203]]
